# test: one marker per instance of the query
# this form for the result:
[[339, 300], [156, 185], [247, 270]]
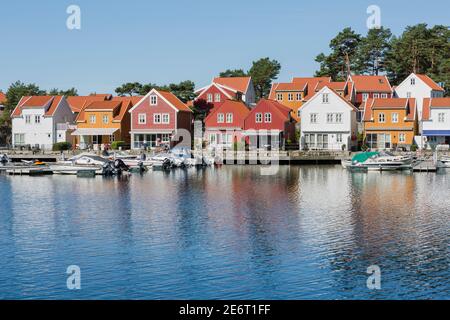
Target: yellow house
[[390, 123], [100, 123]]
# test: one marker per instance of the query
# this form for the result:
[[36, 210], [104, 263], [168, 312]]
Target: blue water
[[229, 233]]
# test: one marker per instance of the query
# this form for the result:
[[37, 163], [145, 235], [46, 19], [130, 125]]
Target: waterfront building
[[102, 122], [419, 86], [225, 124], [2, 102], [222, 89], [36, 121], [328, 122], [77, 103], [390, 123], [270, 124], [436, 121], [160, 118]]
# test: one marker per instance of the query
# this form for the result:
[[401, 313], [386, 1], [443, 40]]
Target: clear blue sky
[[169, 41]]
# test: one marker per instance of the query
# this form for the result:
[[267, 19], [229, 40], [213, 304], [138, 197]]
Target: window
[[384, 95], [105, 119], [408, 94], [395, 117], [19, 139], [28, 119], [441, 117], [313, 117], [413, 81], [298, 113], [381, 118], [217, 97], [220, 118], [229, 118], [376, 95], [112, 138], [153, 100], [212, 138], [267, 117], [365, 96], [290, 96], [157, 118], [338, 117], [325, 98], [299, 97], [37, 119], [142, 118], [165, 118], [92, 119], [258, 118], [279, 97], [329, 117], [402, 138], [339, 138], [209, 97], [165, 138]]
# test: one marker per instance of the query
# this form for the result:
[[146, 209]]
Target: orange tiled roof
[[429, 103], [364, 83], [177, 103], [237, 83], [430, 82], [2, 98], [239, 107], [390, 103], [37, 102], [77, 103]]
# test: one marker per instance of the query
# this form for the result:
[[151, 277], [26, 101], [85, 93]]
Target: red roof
[[174, 101], [390, 103], [236, 83], [2, 98], [429, 103], [364, 83], [118, 105], [77, 103], [51, 102], [430, 82], [239, 110], [312, 84]]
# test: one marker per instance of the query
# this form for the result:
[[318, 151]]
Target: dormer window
[[153, 100], [220, 118], [290, 97], [365, 96], [268, 117], [381, 118], [209, 97], [279, 97], [217, 97], [229, 118]]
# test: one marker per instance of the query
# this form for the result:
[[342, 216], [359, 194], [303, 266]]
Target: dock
[[425, 166]]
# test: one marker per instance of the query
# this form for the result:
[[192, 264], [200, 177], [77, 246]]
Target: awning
[[94, 131]]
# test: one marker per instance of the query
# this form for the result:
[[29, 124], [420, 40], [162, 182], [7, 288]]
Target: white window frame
[[279, 97], [290, 97], [92, 119], [413, 81], [217, 97], [267, 117], [313, 118], [325, 98], [381, 117], [441, 117], [153, 100], [376, 95], [142, 118], [157, 118], [402, 138], [37, 119], [28, 119], [394, 117], [365, 97], [229, 118], [209, 97], [330, 117], [384, 96], [299, 96], [339, 138], [220, 118], [105, 117], [165, 118], [339, 117], [258, 117]]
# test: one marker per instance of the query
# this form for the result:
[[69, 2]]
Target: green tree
[[183, 90], [130, 89], [343, 56], [372, 51], [68, 93], [233, 73], [201, 109], [263, 72]]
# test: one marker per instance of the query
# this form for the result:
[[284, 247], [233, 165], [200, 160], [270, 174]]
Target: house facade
[[225, 124], [35, 121], [100, 123], [419, 86], [158, 118], [390, 123], [223, 88], [2, 103], [269, 124], [328, 122], [436, 121]]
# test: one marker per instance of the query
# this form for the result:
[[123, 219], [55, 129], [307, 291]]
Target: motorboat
[[444, 162], [378, 161]]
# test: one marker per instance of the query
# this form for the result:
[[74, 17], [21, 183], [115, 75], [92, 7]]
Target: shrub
[[117, 144], [62, 146], [413, 148], [364, 147]]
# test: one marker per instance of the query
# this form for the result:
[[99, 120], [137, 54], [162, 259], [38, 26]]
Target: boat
[[444, 162], [378, 161]]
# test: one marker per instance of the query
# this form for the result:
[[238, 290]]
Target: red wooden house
[[222, 89], [269, 124], [225, 124], [157, 118]]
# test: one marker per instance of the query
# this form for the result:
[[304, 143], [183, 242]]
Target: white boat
[[378, 161], [444, 162]]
